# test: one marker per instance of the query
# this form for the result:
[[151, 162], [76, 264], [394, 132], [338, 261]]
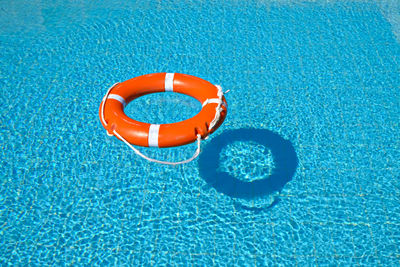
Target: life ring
[[117, 123]]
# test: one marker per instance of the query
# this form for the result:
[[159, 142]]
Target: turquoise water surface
[[304, 171]]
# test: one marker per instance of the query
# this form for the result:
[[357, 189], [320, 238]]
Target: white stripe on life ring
[[153, 135], [117, 97], [169, 82]]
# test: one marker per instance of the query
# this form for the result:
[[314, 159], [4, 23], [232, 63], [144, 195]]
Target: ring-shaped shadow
[[283, 153]]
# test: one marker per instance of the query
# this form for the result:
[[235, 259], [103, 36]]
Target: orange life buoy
[[116, 122]]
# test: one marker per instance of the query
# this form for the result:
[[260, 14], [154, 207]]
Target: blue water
[[304, 171]]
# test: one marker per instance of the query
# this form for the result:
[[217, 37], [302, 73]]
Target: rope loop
[[195, 155]]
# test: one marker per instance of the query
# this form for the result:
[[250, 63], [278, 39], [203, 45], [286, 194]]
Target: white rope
[[195, 155], [218, 109], [104, 103]]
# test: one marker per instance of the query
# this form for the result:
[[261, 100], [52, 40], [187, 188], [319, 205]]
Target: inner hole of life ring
[[247, 160], [163, 108]]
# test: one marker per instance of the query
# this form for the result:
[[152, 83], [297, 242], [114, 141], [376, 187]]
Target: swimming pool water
[[314, 112]]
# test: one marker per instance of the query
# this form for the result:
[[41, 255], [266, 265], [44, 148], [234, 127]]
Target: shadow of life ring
[[283, 153]]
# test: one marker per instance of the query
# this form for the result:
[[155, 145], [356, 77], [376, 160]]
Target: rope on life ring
[[132, 132]]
